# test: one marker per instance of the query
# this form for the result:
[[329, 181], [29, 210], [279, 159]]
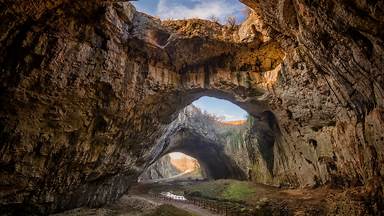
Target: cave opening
[[217, 133], [174, 166], [232, 140], [216, 10], [221, 110]]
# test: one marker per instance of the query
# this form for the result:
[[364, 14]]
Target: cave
[[217, 143], [215, 163], [174, 166], [202, 135], [91, 92], [207, 138]]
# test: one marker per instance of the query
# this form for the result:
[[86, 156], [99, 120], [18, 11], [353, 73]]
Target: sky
[[221, 108], [181, 9]]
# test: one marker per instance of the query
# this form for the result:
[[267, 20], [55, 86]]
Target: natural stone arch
[[201, 141], [211, 156], [173, 166], [83, 97], [128, 89]]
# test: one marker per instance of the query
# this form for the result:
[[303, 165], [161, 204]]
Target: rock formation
[[169, 169], [88, 91], [162, 168], [243, 151], [201, 136]]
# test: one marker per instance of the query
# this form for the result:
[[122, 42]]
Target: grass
[[238, 191], [234, 195], [224, 189], [169, 210]]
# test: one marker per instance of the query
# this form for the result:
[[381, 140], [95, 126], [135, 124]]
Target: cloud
[[229, 117], [226, 116], [197, 9]]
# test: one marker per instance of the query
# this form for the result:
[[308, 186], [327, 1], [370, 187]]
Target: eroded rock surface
[[335, 63], [88, 88], [201, 136], [163, 168]]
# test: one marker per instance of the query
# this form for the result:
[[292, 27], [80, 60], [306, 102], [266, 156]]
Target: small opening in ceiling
[[224, 110], [215, 10]]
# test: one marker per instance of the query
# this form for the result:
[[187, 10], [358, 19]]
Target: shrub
[[231, 22], [214, 18]]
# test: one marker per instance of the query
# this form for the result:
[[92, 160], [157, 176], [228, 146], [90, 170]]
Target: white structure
[[173, 196]]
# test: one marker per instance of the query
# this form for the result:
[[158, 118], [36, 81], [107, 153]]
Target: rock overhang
[[84, 106]]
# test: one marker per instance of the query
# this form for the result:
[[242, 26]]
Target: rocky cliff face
[[202, 137], [89, 89], [335, 64], [249, 146], [168, 169], [162, 168]]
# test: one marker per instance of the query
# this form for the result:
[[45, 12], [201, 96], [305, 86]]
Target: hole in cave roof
[[185, 9], [223, 109]]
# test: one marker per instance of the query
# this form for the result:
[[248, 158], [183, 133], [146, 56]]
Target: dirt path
[[135, 205], [185, 206], [143, 198]]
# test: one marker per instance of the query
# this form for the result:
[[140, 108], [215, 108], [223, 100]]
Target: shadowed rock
[[88, 87]]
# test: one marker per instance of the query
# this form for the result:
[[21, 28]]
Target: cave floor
[[139, 205], [266, 200], [246, 198]]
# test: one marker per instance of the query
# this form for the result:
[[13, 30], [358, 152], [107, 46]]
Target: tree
[[231, 22], [214, 18]]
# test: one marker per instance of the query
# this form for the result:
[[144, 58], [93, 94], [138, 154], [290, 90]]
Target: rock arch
[[91, 89], [211, 156]]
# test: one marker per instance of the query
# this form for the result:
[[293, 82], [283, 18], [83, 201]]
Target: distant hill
[[237, 122]]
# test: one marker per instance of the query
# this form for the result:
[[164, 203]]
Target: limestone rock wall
[[163, 168], [332, 87], [200, 135], [89, 88]]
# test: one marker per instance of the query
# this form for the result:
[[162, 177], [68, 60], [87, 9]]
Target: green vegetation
[[259, 173], [250, 121], [169, 210], [238, 191], [223, 190], [234, 139], [235, 136], [235, 196]]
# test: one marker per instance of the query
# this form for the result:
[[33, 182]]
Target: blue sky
[[219, 107], [181, 9]]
